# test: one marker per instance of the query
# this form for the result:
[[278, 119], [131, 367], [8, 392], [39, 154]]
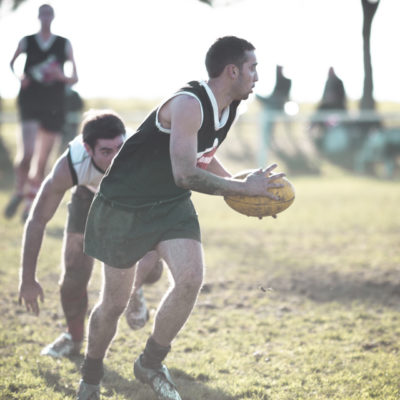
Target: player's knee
[[113, 309], [70, 287], [75, 278], [191, 280], [76, 266]]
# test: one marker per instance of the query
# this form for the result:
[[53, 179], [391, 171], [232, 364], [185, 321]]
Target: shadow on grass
[[190, 387], [195, 388], [112, 382], [54, 381]]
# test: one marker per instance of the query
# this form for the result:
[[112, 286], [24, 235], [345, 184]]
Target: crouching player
[[81, 168]]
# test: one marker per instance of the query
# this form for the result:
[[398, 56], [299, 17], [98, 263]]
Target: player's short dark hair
[[46, 6], [226, 50], [101, 124]]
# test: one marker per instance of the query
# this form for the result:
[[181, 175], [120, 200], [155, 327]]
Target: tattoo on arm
[[210, 184]]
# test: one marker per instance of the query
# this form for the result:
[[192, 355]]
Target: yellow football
[[262, 206]]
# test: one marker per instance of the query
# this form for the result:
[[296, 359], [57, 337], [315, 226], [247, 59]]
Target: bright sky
[[149, 48]]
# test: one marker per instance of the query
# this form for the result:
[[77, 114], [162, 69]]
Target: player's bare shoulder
[[180, 107], [186, 111], [60, 176]]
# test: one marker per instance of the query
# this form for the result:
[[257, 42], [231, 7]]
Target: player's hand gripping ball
[[263, 206]]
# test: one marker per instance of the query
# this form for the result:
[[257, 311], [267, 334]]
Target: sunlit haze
[[148, 48]]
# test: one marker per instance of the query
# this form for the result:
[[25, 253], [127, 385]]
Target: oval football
[[262, 206]]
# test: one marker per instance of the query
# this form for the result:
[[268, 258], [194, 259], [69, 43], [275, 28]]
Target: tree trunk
[[369, 10]]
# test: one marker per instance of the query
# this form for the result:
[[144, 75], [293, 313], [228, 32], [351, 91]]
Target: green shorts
[[78, 209], [121, 236]]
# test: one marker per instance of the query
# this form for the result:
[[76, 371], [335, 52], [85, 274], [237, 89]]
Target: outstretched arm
[[22, 78], [185, 117], [18, 51], [45, 205]]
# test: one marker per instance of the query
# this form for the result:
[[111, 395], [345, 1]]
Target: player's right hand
[[29, 293], [260, 181]]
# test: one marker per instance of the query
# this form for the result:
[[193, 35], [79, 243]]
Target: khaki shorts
[[120, 237], [78, 209]]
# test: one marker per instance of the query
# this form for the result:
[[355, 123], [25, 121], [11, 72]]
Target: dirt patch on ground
[[372, 287], [375, 287]]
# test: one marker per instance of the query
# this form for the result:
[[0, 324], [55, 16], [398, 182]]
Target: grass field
[[302, 307]]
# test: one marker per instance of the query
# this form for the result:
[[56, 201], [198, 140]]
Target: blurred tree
[[369, 9], [15, 3]]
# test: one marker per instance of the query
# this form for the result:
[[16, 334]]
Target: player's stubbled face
[[247, 76]]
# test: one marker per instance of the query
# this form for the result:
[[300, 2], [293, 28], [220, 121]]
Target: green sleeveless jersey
[[141, 173]]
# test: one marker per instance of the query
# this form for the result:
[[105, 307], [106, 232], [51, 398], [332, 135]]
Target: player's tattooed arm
[[201, 183], [208, 183], [255, 184]]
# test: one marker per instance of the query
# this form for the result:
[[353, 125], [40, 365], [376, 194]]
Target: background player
[[41, 104]]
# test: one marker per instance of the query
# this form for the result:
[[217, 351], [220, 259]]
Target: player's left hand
[[29, 294]]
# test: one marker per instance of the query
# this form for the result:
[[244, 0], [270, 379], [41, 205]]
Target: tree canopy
[[15, 3]]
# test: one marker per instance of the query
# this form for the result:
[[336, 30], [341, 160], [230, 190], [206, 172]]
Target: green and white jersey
[[83, 170]]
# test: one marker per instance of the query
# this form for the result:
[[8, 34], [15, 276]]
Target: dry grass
[[302, 307]]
